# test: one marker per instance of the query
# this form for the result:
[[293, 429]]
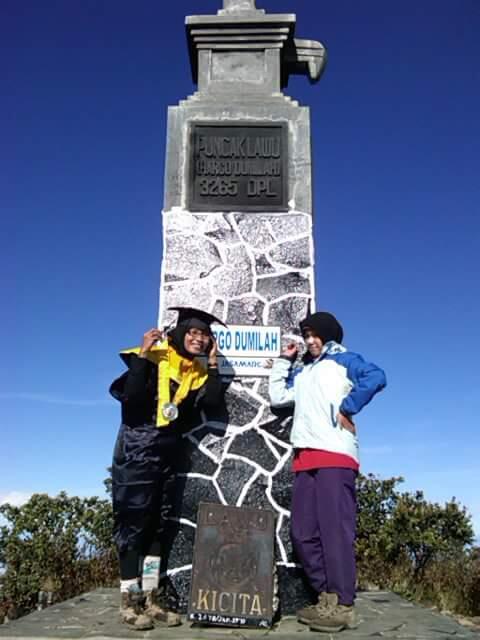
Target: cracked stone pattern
[[236, 277], [218, 309], [294, 253], [289, 226], [287, 312], [245, 311], [246, 269], [256, 230], [200, 257], [273, 287], [263, 265]]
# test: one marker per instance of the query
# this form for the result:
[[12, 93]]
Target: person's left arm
[[367, 380]]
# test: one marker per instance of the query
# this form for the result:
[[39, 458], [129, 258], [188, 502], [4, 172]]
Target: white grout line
[[283, 553], [246, 488]]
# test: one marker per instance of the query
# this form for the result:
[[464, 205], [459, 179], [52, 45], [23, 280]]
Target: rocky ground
[[95, 615]]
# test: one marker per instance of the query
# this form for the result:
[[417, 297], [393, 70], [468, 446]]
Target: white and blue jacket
[[337, 381]]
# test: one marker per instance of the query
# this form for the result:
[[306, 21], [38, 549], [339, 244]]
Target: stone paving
[[95, 615]]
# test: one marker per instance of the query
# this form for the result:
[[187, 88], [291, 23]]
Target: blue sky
[[396, 143]]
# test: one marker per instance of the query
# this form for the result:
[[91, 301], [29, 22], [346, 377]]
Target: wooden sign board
[[232, 572]]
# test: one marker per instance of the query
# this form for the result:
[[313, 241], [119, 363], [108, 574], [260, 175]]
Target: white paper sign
[[245, 349]]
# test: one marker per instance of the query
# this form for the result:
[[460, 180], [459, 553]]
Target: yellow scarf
[[188, 374]]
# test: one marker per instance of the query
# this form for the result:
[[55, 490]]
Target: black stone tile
[[193, 460], [233, 477], [181, 584], [196, 490], [281, 450], [282, 485], [241, 407], [281, 426], [178, 547], [294, 590], [256, 495], [215, 429], [284, 535], [216, 446], [251, 445]]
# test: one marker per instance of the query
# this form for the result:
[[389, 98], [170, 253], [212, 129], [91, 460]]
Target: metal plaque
[[238, 167], [232, 572]]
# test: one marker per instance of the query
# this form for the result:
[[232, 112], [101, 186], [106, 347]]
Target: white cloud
[[50, 398], [15, 498]]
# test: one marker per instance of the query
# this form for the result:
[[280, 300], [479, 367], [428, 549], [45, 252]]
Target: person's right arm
[[132, 385], [281, 395]]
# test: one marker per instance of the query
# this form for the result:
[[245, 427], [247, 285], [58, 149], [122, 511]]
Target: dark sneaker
[[132, 612], [159, 611]]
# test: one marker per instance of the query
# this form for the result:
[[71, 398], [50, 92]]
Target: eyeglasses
[[198, 333]]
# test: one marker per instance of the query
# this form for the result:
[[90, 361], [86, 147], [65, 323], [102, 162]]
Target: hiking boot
[[313, 611], [132, 611], [334, 617], [159, 610]]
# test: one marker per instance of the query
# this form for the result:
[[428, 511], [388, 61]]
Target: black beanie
[[325, 325]]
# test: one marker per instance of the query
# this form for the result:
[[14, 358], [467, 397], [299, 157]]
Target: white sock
[[151, 572], [126, 584]]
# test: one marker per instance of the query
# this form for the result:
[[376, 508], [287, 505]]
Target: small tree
[[423, 531]]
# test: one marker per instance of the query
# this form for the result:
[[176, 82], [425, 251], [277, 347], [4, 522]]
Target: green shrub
[[419, 549], [56, 544]]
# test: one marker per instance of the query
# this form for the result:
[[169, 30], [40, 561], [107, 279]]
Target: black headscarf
[[177, 335]]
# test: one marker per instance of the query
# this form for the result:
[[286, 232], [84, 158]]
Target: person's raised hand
[[290, 351], [150, 337], [212, 353]]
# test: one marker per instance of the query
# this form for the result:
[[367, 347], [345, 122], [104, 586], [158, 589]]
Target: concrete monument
[[237, 238]]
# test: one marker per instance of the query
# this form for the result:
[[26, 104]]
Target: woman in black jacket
[[161, 394]]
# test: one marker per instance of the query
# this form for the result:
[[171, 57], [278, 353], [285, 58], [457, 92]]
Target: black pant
[[143, 492]]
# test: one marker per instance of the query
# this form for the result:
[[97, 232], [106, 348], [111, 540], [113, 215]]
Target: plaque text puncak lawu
[[238, 166]]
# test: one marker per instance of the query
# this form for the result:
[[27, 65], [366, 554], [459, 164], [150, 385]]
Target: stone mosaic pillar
[[248, 261]]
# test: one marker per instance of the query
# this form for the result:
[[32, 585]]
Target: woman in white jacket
[[333, 385]]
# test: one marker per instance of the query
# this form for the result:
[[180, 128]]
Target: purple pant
[[323, 526]]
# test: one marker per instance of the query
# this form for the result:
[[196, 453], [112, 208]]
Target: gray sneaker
[[307, 614], [335, 617], [132, 612], [159, 611]]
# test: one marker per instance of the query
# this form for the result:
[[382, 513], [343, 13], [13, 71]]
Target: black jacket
[[136, 389]]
